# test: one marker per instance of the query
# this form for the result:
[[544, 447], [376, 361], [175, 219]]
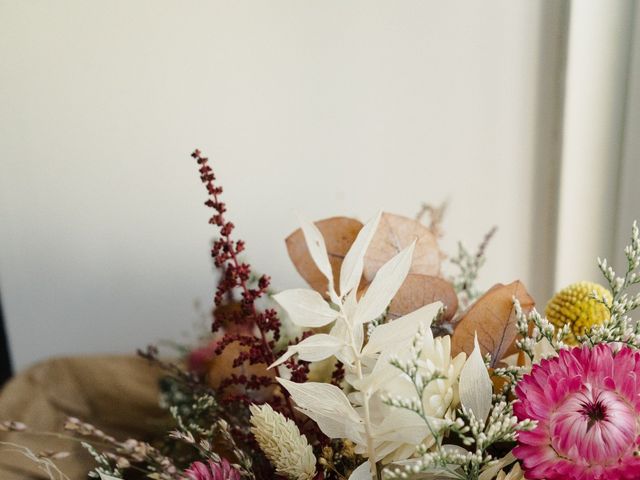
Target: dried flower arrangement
[[389, 369]]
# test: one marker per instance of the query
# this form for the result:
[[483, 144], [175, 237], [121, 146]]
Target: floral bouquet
[[385, 368]]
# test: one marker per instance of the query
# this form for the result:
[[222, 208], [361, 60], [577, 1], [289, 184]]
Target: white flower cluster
[[282, 443], [476, 427]]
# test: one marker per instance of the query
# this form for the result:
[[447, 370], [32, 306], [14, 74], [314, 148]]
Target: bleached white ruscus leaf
[[353, 263], [104, 476], [363, 472], [401, 330], [400, 426], [352, 338], [328, 406], [475, 385], [350, 303], [393, 340], [306, 308], [312, 349], [318, 250], [491, 471], [543, 349], [384, 286]]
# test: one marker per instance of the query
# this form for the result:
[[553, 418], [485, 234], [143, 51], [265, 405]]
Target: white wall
[[594, 121], [629, 179], [326, 107]]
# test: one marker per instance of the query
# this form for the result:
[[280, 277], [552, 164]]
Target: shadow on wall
[[550, 98], [5, 362]]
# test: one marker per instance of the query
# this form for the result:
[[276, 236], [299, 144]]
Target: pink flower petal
[[587, 404]]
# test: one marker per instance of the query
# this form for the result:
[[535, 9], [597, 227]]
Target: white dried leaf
[[312, 349], [492, 471], [318, 250], [318, 347], [328, 406], [363, 472], [543, 349], [383, 372], [352, 338], [515, 473], [320, 397], [104, 476], [399, 425], [353, 263], [306, 308], [291, 351], [350, 304], [402, 330], [475, 384], [384, 286]]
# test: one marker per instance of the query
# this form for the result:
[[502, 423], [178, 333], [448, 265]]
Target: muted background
[[520, 114]]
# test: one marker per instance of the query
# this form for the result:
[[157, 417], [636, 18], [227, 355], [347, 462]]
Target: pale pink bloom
[[212, 471], [587, 404]]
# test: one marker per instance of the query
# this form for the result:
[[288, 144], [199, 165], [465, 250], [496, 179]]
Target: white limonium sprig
[[620, 327], [281, 441], [543, 339], [469, 265], [361, 417]]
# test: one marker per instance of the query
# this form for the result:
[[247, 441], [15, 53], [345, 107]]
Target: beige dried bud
[[283, 444], [11, 426]]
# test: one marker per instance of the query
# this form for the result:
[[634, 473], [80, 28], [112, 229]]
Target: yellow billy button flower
[[574, 306]]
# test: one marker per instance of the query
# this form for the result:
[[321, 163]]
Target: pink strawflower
[[587, 404], [212, 471]]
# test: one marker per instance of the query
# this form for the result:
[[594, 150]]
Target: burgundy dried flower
[[212, 471], [236, 287]]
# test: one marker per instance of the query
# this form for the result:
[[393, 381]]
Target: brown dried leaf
[[339, 234], [396, 232], [420, 290], [498, 381], [492, 317]]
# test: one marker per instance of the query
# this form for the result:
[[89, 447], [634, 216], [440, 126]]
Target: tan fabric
[[117, 394]]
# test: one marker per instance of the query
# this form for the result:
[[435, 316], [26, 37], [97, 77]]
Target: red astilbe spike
[[337, 376], [236, 276]]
